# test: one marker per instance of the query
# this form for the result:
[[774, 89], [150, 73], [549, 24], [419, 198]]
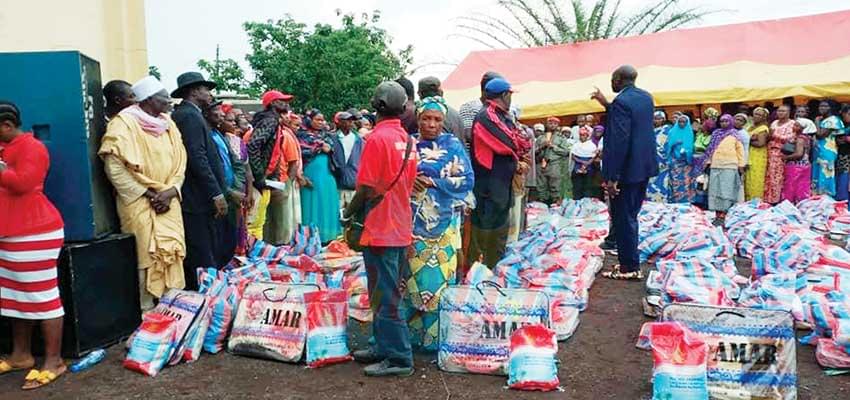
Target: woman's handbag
[[354, 229], [789, 148]]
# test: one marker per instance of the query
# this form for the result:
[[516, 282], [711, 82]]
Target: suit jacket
[[204, 172], [629, 152], [344, 171]]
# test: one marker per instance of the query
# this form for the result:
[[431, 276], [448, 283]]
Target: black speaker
[[99, 286]]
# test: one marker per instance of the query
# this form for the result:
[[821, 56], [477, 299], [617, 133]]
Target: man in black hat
[[385, 182], [431, 87], [204, 188]]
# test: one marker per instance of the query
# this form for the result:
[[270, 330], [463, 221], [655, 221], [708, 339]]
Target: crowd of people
[[422, 189], [711, 160]]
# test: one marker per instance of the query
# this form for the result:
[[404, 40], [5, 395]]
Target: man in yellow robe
[[145, 160]]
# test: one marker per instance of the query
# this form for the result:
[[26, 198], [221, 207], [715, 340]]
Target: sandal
[[36, 379], [615, 274], [6, 366]]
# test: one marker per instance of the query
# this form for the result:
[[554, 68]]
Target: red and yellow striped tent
[[804, 57]]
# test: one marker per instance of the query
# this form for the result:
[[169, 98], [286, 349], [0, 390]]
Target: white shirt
[[745, 140], [347, 142]]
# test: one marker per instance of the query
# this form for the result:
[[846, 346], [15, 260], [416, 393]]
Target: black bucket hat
[[188, 80]]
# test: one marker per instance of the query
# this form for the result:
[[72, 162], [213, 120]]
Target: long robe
[[135, 161]]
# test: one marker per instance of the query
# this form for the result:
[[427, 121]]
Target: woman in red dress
[[31, 237], [781, 132]]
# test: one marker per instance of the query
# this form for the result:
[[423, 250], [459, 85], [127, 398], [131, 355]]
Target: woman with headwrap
[[711, 114], [319, 195], [678, 153], [826, 151], [703, 135], [798, 169], [757, 155], [145, 159], [725, 157], [781, 132], [442, 192], [658, 189]]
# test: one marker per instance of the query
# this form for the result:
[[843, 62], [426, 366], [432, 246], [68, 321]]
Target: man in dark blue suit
[[628, 161], [204, 188]]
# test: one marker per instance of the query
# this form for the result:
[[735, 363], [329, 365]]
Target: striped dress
[[28, 282], [31, 234]]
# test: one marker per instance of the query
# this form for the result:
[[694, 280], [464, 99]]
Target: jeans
[[385, 268]]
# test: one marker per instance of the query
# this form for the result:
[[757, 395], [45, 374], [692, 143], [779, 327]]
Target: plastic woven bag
[[327, 319], [831, 355], [270, 322], [189, 310], [152, 345], [476, 324], [679, 355], [751, 353], [532, 364], [194, 344], [307, 241]]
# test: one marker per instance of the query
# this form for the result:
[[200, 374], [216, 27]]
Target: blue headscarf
[[678, 134], [435, 103]]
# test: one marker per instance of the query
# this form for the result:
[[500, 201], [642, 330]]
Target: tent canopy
[[765, 60]]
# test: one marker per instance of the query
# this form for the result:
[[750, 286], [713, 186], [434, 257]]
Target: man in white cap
[[145, 160]]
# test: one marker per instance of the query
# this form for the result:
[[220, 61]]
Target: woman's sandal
[[615, 274], [36, 379], [6, 366]]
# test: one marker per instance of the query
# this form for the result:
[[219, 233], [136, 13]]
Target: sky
[[430, 26]]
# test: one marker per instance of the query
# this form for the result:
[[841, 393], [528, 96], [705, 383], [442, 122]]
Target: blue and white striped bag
[[752, 354]]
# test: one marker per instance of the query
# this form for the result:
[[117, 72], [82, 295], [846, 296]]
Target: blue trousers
[[841, 185], [624, 212], [385, 267]]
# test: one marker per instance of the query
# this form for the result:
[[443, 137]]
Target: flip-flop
[[36, 379], [6, 367]]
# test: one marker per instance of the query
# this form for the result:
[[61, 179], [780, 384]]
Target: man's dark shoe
[[367, 356], [385, 368], [609, 247]]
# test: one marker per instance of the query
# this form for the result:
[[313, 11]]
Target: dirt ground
[[599, 362]]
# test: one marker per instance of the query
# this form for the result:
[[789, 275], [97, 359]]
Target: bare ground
[[599, 362]]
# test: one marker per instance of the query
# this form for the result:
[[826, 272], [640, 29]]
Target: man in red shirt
[[384, 184]]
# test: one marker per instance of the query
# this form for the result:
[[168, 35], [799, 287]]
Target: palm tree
[[533, 23]]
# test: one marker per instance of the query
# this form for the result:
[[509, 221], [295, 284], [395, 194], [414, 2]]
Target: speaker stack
[[60, 97]]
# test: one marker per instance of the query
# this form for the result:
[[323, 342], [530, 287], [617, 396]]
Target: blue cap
[[498, 86]]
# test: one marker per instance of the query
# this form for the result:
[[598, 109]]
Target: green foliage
[[543, 22], [227, 74], [153, 71], [327, 68]]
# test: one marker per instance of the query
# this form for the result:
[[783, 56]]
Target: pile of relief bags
[[694, 261], [274, 303], [558, 254], [795, 269], [507, 320]]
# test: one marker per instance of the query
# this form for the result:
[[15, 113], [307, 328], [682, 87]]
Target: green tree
[[227, 74], [327, 68], [153, 71], [534, 23]]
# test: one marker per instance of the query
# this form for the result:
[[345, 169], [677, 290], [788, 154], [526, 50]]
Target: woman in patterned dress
[[442, 192], [781, 132], [659, 186]]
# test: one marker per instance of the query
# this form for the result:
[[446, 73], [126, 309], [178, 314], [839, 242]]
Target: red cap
[[553, 119], [227, 107], [272, 95]]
